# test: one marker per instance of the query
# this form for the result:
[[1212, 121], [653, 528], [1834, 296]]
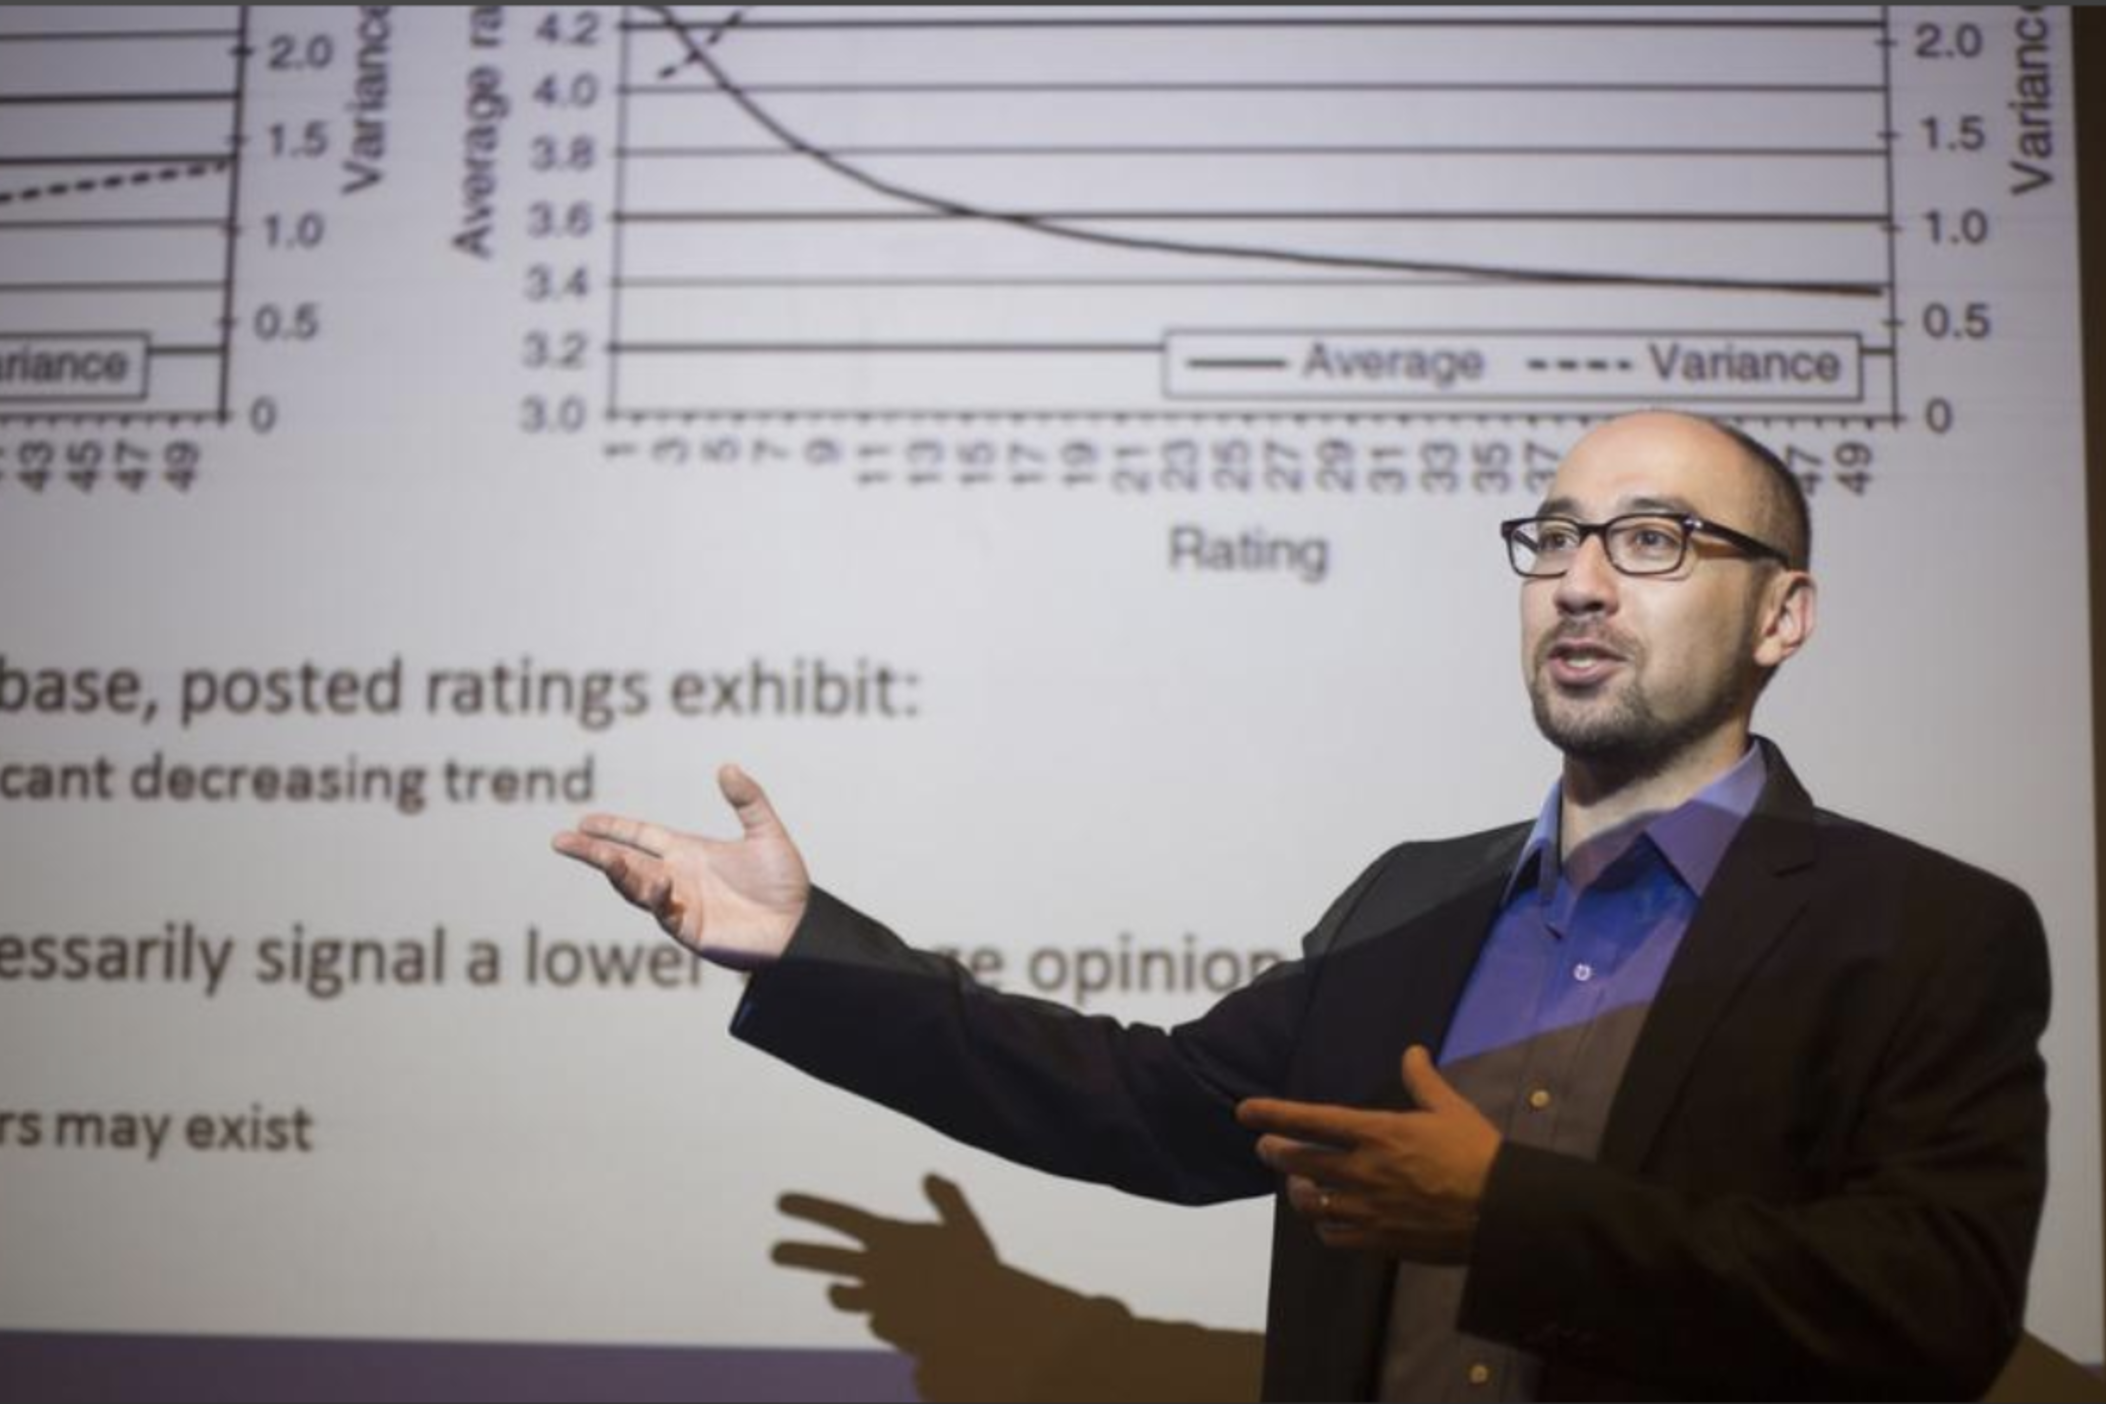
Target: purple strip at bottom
[[40, 1366]]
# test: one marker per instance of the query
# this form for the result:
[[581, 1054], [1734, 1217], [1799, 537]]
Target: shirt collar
[[1693, 838]]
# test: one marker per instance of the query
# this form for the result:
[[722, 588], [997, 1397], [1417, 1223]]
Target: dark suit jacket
[[1821, 1176]]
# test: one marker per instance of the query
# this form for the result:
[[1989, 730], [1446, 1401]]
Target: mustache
[[1599, 635]]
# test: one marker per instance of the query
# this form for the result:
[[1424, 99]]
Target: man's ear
[[1788, 609]]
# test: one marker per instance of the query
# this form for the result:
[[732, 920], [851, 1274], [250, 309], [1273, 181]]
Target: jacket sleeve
[[1148, 1110], [1905, 1278]]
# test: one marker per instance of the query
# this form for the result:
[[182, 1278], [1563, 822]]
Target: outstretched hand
[[1406, 1183], [949, 1262], [735, 902]]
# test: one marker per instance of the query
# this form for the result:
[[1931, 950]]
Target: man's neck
[[1600, 798]]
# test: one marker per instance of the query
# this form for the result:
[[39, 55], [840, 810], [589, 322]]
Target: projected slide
[[1057, 449]]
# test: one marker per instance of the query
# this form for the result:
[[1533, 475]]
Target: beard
[[1624, 727]]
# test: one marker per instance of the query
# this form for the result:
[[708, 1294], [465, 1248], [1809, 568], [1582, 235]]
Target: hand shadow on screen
[[979, 1330]]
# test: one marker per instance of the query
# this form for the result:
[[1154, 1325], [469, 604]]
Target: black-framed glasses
[[1637, 543]]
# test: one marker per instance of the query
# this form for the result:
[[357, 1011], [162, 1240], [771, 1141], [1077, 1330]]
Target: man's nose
[[1590, 585]]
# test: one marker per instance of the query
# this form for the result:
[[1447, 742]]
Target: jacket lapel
[[1447, 949], [1753, 899], [1398, 984]]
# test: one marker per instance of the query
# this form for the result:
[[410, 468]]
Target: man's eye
[[1557, 538]]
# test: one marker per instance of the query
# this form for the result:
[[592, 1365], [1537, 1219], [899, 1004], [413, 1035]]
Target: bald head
[[1786, 521], [1773, 503]]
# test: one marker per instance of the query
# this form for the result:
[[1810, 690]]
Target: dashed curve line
[[697, 55], [121, 180], [716, 37]]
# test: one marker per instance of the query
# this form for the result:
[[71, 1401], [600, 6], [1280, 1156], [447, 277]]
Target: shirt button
[[1540, 1098], [1583, 973], [1480, 1373]]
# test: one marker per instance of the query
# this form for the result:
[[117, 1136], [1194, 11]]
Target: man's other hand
[[1406, 1183], [736, 903]]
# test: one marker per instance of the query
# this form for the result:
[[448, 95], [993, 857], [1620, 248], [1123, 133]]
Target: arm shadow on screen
[[978, 1329]]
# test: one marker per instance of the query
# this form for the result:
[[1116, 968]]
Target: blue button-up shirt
[[1546, 1026], [1578, 938]]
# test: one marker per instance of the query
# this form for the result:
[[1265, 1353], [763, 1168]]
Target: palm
[[736, 902], [720, 891]]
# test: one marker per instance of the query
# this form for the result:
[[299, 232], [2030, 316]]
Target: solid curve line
[[1300, 257]]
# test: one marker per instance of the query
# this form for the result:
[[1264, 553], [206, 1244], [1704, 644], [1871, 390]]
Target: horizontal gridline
[[1010, 154]]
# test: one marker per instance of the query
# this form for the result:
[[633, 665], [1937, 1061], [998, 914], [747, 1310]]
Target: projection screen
[[1057, 450]]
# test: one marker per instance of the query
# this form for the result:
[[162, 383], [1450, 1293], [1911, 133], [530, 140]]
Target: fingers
[[1313, 1199], [1305, 1121], [1425, 1084], [749, 800], [954, 1214], [1337, 1219], [641, 879], [817, 1257], [951, 1209], [827, 1213], [1325, 1164], [635, 833]]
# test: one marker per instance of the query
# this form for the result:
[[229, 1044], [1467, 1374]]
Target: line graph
[[119, 180], [1158, 210]]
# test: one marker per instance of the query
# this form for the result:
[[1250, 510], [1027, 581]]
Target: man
[[1734, 1097]]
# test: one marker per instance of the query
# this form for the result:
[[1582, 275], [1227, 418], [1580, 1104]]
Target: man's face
[[1638, 671]]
